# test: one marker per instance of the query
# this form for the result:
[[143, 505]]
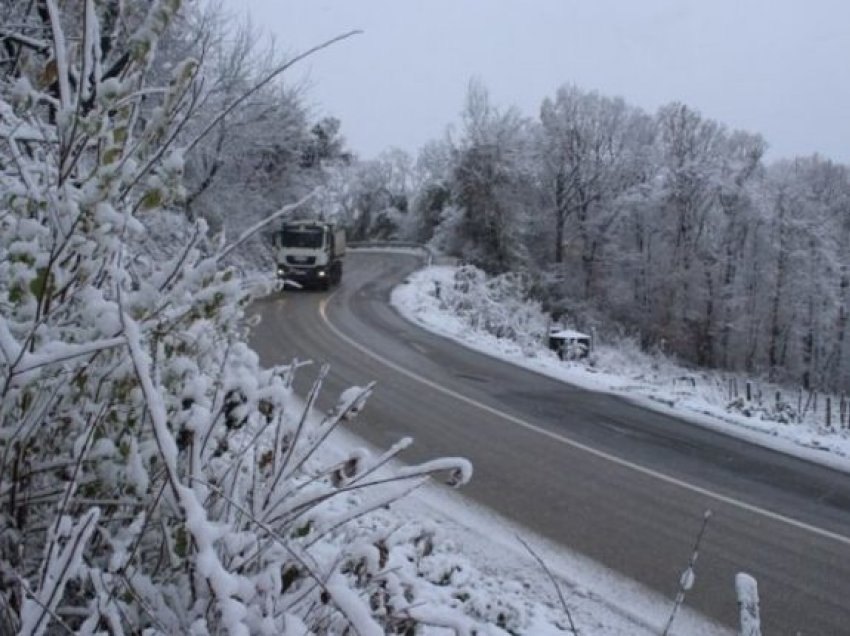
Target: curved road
[[621, 484]]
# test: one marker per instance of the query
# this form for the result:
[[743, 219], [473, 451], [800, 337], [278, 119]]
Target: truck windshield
[[301, 237]]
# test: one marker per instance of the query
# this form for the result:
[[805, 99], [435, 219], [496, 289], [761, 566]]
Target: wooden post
[[809, 399], [845, 418], [749, 392], [828, 412]]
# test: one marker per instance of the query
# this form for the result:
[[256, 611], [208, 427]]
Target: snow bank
[[622, 369]]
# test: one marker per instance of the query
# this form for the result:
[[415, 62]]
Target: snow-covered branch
[[251, 231], [263, 82]]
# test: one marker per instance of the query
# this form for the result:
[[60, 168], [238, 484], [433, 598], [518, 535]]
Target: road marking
[[578, 445]]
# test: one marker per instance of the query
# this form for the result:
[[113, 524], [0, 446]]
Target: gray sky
[[777, 67]]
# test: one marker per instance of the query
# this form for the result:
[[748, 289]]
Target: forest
[[664, 226]]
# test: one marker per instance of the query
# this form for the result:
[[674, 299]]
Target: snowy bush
[[780, 411], [498, 305], [153, 477], [415, 560]]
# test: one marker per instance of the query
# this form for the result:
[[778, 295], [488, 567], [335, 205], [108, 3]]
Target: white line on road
[[578, 445]]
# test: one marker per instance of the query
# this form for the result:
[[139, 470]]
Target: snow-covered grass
[[438, 299], [475, 571]]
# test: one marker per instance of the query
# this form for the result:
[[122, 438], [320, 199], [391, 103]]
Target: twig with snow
[[61, 352], [380, 501], [263, 223], [328, 425], [459, 470], [47, 610], [554, 581], [268, 78], [686, 581], [41, 603], [159, 418], [60, 51], [280, 465]]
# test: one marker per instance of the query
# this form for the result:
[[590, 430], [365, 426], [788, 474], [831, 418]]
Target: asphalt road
[[624, 485]]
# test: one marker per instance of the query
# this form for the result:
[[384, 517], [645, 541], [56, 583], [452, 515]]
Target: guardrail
[[429, 253]]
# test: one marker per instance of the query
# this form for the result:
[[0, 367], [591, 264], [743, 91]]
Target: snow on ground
[[488, 564], [652, 381]]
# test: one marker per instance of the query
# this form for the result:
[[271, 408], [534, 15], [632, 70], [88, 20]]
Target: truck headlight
[[321, 273]]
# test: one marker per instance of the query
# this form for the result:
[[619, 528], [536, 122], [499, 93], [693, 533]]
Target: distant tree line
[[669, 225]]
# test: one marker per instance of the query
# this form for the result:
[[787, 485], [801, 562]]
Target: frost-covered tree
[[371, 197], [699, 164], [153, 477], [670, 226], [433, 189], [488, 184], [325, 145], [242, 167], [592, 149], [807, 203], [257, 146]]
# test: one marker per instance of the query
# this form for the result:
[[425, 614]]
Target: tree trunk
[[561, 209], [779, 290]]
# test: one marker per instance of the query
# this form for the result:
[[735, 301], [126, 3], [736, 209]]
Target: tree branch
[[261, 224], [266, 80]]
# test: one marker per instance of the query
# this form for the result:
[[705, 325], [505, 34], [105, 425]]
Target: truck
[[310, 253]]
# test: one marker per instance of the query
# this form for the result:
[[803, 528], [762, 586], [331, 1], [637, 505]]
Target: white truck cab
[[310, 253]]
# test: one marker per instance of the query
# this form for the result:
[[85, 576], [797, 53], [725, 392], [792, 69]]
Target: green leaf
[[111, 155], [181, 542], [28, 259], [288, 576], [26, 401], [16, 294], [140, 49], [152, 199], [304, 530], [38, 283]]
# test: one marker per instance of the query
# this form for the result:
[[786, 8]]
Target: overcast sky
[[777, 67]]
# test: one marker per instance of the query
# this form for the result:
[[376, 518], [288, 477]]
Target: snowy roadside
[[652, 382], [480, 565], [477, 566]]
